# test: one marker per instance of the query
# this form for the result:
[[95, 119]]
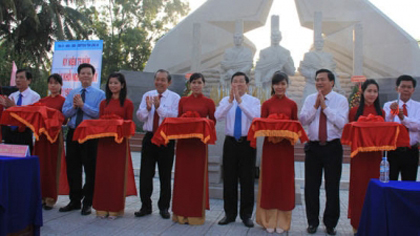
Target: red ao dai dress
[[276, 192], [363, 167], [50, 157], [190, 197], [114, 179]]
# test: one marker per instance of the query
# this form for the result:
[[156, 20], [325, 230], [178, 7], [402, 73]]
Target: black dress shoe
[[226, 220], [331, 231], [47, 207], [142, 212], [311, 229], [165, 214], [248, 222], [86, 210], [71, 206]]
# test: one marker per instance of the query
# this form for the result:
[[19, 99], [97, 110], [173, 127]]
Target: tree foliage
[[130, 28], [28, 29]]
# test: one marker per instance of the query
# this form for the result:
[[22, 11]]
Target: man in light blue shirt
[[81, 104]]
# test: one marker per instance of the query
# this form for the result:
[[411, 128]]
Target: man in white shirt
[[405, 160], [325, 113], [238, 110], [155, 106], [25, 96]]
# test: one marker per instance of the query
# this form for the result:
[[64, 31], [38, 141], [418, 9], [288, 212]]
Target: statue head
[[319, 44], [276, 37], [238, 39]]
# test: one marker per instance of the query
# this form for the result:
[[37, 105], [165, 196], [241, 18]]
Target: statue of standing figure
[[237, 58], [272, 59], [317, 59]]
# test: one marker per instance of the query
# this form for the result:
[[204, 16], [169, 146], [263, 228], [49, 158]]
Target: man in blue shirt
[[82, 103]]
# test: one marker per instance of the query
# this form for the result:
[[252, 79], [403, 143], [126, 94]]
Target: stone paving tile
[[72, 223]]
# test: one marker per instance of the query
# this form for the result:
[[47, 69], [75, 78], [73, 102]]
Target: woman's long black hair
[[362, 100], [123, 92]]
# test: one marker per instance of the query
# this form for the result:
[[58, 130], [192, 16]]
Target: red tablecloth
[[101, 128], [183, 128], [373, 134], [291, 130], [40, 119]]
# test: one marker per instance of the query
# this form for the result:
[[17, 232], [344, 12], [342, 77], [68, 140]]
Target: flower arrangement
[[354, 99]]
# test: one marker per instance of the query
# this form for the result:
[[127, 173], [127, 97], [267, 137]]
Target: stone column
[[317, 25], [196, 48], [358, 49]]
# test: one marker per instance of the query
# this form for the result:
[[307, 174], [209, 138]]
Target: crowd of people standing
[[108, 167]]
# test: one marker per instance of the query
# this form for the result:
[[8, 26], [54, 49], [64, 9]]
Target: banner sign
[[358, 78], [11, 150], [68, 55]]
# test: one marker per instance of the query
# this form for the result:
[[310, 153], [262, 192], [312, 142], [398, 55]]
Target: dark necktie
[[322, 133], [19, 103], [79, 117], [156, 118], [237, 127]]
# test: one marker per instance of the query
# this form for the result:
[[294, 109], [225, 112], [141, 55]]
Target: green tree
[[28, 29], [129, 29]]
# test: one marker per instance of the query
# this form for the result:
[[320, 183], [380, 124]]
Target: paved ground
[[56, 223]]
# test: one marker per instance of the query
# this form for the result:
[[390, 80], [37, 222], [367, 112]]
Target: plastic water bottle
[[384, 171]]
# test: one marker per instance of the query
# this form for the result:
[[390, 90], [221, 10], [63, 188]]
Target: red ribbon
[[276, 116], [191, 114], [370, 118]]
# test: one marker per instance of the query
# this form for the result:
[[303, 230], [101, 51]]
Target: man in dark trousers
[[325, 113], [155, 106], [238, 110], [82, 103], [405, 160]]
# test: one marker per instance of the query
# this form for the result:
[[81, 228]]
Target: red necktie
[[405, 109], [156, 118], [322, 133]]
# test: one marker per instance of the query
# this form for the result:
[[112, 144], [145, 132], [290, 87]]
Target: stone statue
[[317, 59], [313, 61], [237, 58], [272, 59]]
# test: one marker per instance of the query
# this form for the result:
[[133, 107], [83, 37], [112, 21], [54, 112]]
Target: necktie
[[322, 133], [237, 131], [19, 103], [156, 118], [79, 117], [405, 109]]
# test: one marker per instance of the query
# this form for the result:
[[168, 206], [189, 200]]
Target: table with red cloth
[[39, 118], [371, 133], [279, 130], [111, 184], [188, 195], [103, 128], [184, 128], [275, 128]]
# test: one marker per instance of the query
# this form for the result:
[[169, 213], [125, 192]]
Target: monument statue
[[237, 58], [272, 59], [317, 59]]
